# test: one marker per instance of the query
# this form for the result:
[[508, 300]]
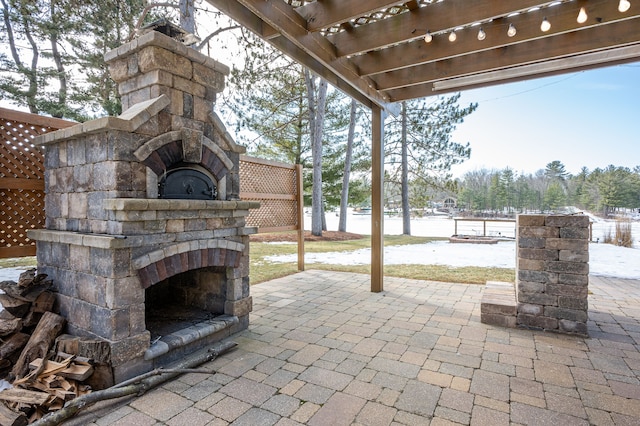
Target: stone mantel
[[145, 204]]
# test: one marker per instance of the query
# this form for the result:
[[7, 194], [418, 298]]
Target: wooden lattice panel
[[19, 158], [272, 214], [266, 178], [21, 179], [20, 210], [275, 186]]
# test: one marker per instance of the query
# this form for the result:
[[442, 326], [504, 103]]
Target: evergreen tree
[[554, 198], [418, 144], [56, 65], [277, 107]]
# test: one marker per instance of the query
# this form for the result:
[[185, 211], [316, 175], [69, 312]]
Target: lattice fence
[[276, 186], [21, 179]]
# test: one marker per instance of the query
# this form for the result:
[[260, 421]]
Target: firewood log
[[13, 343], [27, 277], [8, 417], [8, 327], [16, 307], [28, 294], [24, 396], [44, 302], [6, 315], [49, 327], [97, 350]]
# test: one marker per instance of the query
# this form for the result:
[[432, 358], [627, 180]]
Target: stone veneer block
[[498, 305], [552, 272]]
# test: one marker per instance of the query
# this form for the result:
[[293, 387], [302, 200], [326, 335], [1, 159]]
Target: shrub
[[623, 237], [623, 233]]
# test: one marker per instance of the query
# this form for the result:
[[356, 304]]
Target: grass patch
[[262, 270], [14, 262], [442, 273]]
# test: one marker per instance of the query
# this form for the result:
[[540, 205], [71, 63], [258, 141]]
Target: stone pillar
[[552, 272]]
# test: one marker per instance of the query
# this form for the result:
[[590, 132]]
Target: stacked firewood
[[37, 379]]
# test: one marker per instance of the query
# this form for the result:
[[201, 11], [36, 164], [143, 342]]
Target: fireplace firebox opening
[[184, 300]]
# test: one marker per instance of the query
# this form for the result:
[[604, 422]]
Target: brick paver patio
[[322, 350]]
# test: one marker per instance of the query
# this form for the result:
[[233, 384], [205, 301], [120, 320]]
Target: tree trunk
[[344, 196], [316, 120], [187, 16], [29, 73], [57, 58], [406, 210], [324, 219]]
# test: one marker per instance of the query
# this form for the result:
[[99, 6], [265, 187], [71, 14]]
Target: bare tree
[[317, 102], [188, 16], [344, 197]]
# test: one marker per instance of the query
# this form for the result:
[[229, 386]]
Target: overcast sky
[[590, 118]]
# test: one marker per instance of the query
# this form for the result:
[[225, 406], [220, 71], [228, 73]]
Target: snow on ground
[[11, 274], [604, 259], [442, 226]]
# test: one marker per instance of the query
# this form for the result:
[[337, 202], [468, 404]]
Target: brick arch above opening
[[184, 146], [182, 257]]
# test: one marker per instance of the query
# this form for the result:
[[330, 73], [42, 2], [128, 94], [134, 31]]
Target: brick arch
[[184, 146], [181, 258]]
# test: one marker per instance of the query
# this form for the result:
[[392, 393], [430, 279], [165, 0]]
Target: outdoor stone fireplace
[[145, 233]]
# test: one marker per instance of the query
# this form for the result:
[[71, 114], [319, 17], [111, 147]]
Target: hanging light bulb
[[481, 34], [428, 37], [624, 5], [511, 31], [452, 36], [582, 16], [545, 25]]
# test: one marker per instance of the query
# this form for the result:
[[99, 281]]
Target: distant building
[[450, 203]]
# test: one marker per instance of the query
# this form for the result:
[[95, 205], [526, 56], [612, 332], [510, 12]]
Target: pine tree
[[56, 65], [419, 146], [280, 112]]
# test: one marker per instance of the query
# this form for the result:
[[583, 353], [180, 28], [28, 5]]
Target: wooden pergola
[[381, 52]]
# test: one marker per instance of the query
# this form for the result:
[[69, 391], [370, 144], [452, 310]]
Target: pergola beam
[[562, 18], [622, 55], [412, 25], [292, 26], [543, 49]]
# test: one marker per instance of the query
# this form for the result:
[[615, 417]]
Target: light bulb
[[582, 16], [624, 5], [452, 36], [481, 34], [511, 31], [545, 26], [428, 37]]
